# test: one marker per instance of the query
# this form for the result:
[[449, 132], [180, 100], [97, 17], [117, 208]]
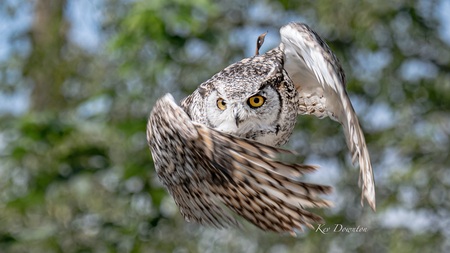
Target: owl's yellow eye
[[256, 101], [221, 104]]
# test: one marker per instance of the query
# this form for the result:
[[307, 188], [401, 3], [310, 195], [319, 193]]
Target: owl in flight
[[217, 153]]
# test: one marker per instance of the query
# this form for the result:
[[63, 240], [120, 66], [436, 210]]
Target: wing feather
[[212, 170], [320, 82]]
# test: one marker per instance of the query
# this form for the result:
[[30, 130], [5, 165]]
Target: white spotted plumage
[[217, 151]]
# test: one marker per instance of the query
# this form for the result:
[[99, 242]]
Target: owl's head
[[245, 105]]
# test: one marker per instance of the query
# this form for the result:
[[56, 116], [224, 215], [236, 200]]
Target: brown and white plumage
[[204, 170], [216, 152]]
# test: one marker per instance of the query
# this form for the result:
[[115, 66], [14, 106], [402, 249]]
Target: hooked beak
[[237, 119]]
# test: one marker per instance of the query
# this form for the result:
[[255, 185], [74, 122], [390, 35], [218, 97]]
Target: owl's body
[[263, 75], [218, 149]]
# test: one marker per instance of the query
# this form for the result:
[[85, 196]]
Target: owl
[[217, 153]]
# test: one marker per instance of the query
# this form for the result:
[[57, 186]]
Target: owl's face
[[242, 111]]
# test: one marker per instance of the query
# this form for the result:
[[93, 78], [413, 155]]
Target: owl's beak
[[237, 119]]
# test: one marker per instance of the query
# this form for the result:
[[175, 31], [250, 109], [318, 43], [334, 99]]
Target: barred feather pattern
[[211, 175]]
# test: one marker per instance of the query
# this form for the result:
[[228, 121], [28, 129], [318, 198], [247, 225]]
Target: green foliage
[[76, 174]]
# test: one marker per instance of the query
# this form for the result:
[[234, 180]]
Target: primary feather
[[320, 82]]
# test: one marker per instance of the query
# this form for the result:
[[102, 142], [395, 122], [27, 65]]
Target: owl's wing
[[205, 170], [320, 82]]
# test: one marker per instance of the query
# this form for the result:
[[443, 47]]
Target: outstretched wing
[[204, 170], [320, 82]]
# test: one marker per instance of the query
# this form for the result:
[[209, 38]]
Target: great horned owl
[[218, 150]]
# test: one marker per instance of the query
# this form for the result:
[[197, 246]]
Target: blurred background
[[78, 79]]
